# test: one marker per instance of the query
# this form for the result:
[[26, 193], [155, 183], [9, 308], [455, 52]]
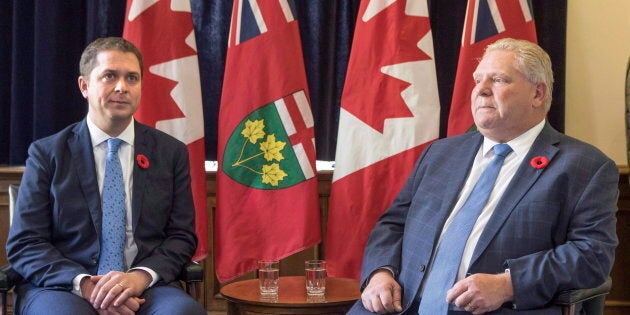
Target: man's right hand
[[382, 294], [129, 307]]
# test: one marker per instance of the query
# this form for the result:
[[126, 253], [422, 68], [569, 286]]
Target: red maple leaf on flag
[[365, 71], [161, 87]]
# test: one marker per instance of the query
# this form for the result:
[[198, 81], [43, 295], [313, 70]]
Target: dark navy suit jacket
[[56, 227], [554, 227]]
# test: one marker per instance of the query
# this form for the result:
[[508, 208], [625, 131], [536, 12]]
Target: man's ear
[[83, 86], [540, 94]]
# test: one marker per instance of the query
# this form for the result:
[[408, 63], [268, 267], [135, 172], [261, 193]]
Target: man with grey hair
[[500, 220]]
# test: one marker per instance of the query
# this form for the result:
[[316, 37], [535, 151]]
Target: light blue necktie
[[444, 268], [114, 214]]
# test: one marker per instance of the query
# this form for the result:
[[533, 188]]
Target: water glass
[[268, 276], [315, 277]]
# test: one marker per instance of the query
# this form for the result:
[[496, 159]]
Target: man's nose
[[482, 88], [121, 86]]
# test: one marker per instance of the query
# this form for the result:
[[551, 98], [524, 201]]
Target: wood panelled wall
[[617, 303]]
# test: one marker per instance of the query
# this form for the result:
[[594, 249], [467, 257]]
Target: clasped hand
[[116, 292]]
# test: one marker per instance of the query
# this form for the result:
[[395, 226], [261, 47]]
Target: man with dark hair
[[104, 219], [501, 220]]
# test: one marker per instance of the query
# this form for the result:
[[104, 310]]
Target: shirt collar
[[99, 136], [521, 144]]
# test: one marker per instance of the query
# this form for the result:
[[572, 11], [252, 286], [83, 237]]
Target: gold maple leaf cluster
[[271, 149]]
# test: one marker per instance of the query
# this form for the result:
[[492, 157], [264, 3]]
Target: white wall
[[598, 48]]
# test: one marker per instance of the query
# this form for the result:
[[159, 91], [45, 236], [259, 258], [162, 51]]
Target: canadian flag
[[163, 31], [390, 110]]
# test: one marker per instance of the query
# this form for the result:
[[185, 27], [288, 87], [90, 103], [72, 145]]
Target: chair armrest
[[8, 278], [570, 297], [192, 272]]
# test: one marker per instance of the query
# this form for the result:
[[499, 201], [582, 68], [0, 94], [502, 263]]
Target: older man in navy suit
[[548, 223], [56, 239]]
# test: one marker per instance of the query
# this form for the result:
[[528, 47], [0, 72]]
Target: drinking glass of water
[[315, 277], [268, 276]]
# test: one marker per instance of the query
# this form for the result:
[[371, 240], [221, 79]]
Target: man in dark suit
[[56, 237], [548, 224]]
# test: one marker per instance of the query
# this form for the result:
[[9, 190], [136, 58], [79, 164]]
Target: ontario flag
[[389, 111], [486, 22], [267, 201], [163, 31]]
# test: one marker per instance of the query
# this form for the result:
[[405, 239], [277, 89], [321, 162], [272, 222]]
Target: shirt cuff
[[76, 284], [388, 268], [154, 276]]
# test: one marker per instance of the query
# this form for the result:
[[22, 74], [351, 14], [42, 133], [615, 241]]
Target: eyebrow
[[119, 71], [492, 73]]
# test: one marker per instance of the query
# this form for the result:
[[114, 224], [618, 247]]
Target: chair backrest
[[13, 191]]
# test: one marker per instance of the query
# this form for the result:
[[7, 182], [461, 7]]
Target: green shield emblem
[[259, 154]]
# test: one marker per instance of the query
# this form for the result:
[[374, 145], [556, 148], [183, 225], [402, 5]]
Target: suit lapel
[[523, 180], [459, 169], [80, 145], [143, 144]]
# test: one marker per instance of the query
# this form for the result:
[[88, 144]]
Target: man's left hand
[[481, 293]]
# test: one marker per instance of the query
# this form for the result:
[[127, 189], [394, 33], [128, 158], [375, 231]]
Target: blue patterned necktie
[[113, 223], [445, 265]]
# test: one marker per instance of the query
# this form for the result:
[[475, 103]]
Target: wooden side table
[[243, 297]]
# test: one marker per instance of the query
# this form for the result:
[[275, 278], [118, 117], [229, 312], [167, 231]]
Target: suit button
[[422, 268]]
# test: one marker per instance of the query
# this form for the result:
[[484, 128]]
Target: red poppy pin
[[539, 162], [143, 161]]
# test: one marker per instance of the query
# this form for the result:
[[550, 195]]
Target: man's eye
[[133, 78], [499, 80], [108, 76]]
